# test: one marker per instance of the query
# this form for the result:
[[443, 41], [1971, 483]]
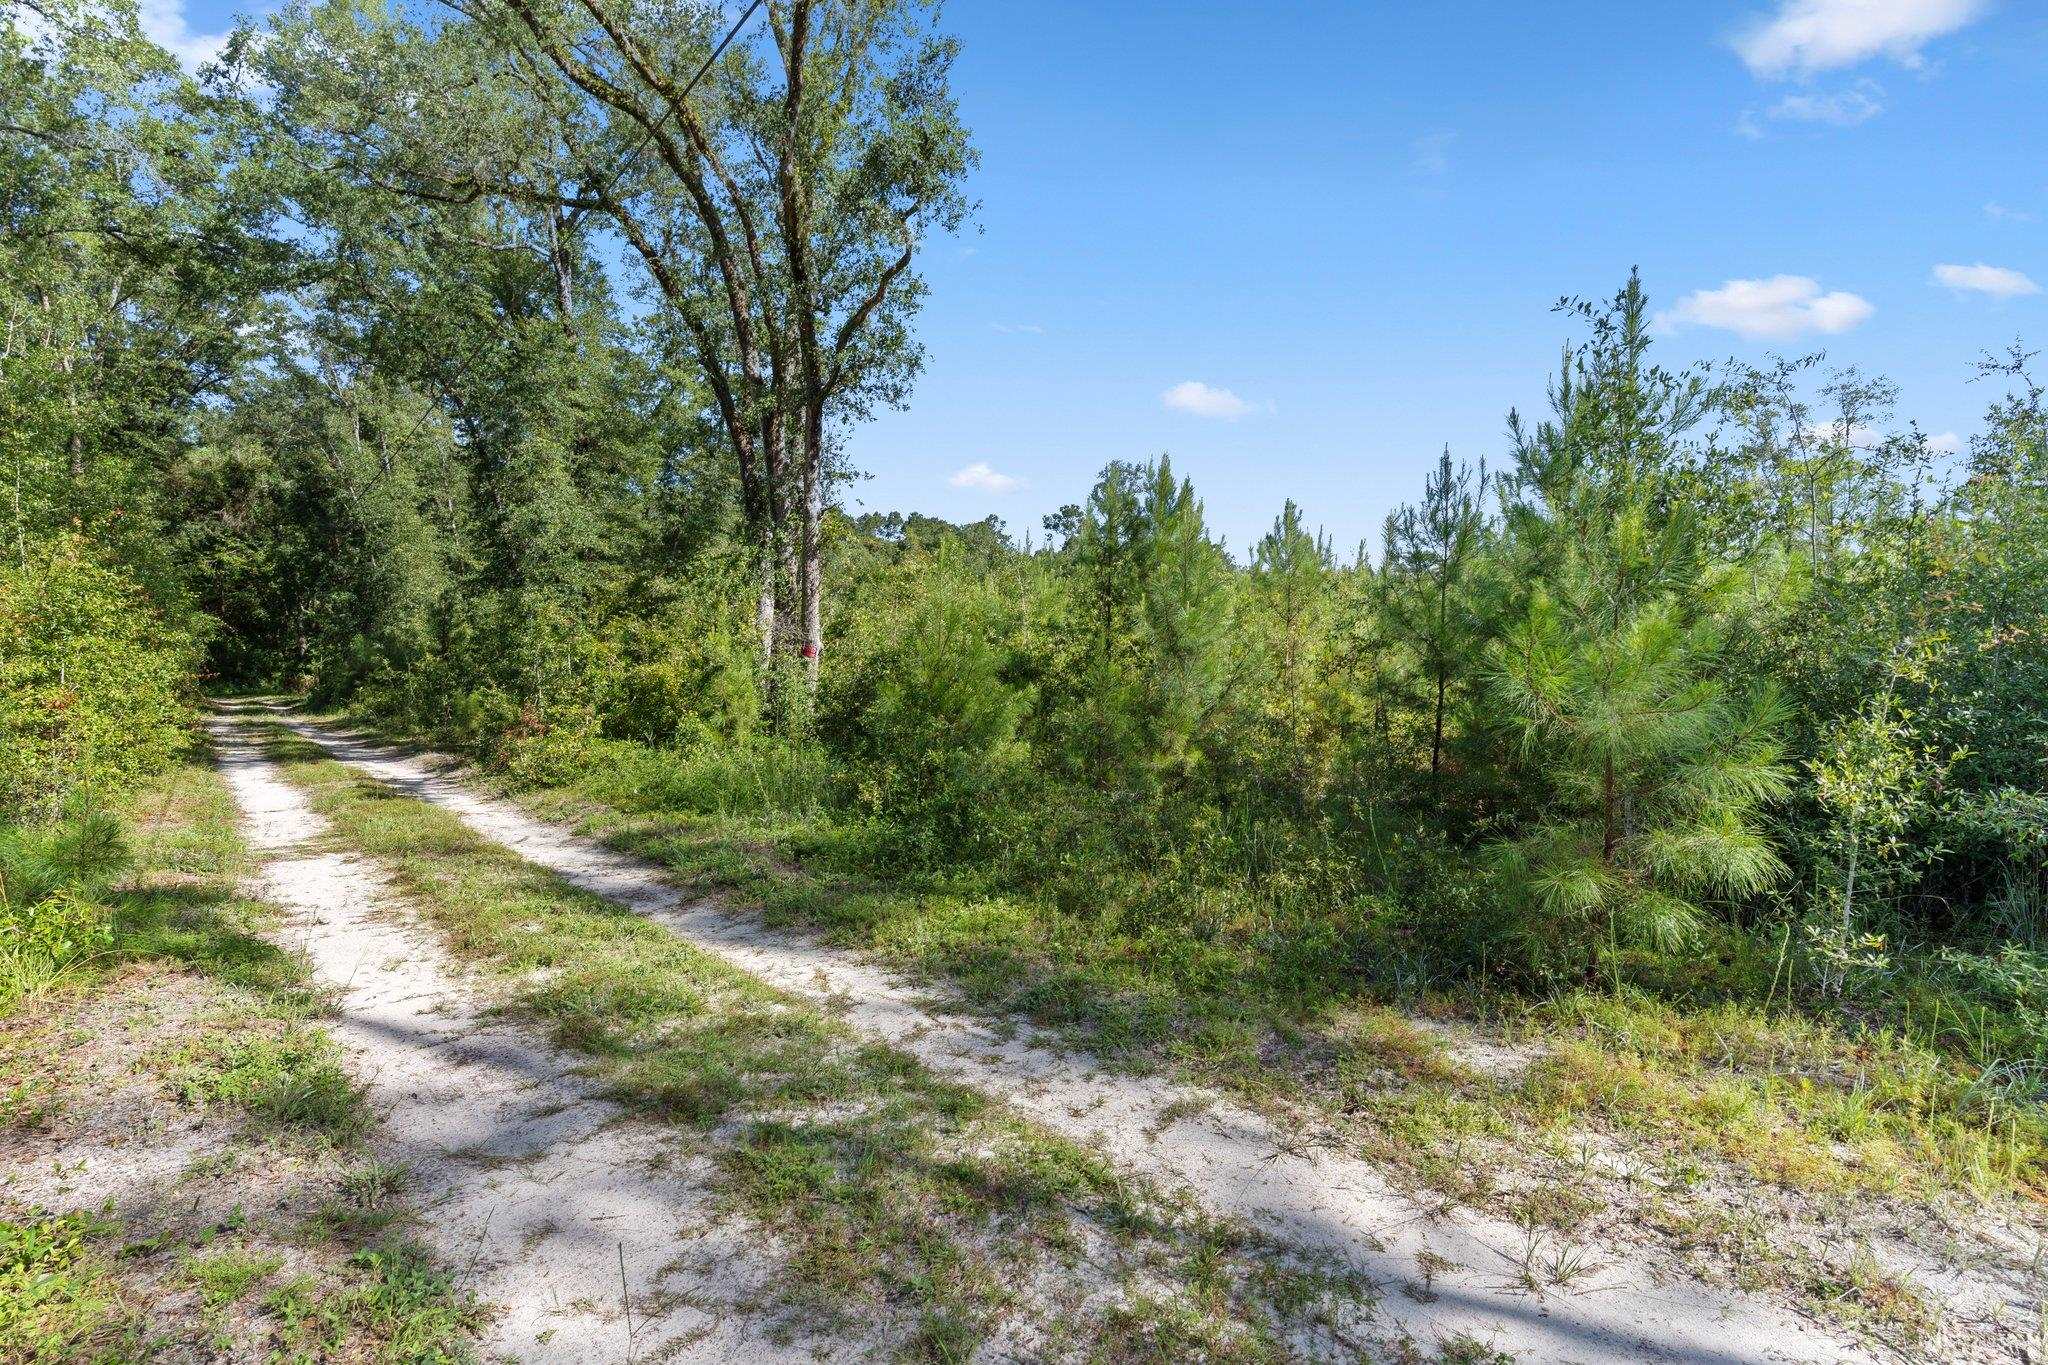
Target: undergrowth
[[1827, 1099]]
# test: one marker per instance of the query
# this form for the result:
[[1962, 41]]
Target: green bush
[[761, 775], [57, 928], [1988, 1007], [54, 1293], [2002, 837], [95, 681], [687, 675], [925, 710], [546, 749], [50, 914]]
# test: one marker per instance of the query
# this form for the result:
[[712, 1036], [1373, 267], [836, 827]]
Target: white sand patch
[[595, 1239], [1236, 1163]]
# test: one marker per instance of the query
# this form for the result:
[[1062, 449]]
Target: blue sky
[[1334, 230]]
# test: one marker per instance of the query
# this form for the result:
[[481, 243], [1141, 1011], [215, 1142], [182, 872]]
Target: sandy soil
[[120, 1145], [594, 1237], [1445, 1275]]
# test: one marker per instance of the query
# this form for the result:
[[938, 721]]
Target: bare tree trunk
[[810, 567], [764, 611], [794, 220], [563, 266], [812, 579], [771, 533]]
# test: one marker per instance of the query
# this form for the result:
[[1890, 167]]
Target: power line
[[648, 135], [718, 51]]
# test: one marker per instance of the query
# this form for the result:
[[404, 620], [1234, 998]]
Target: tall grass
[[758, 777], [52, 878]]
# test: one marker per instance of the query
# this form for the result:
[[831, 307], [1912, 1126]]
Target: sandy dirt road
[[591, 1233], [1234, 1162]]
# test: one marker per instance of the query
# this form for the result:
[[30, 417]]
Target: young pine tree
[[1187, 663], [1645, 770], [1291, 589], [1433, 607], [1154, 629]]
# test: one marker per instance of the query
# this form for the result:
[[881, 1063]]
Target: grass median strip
[[889, 1193]]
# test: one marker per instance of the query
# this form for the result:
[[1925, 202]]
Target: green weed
[[58, 1298], [292, 1078], [226, 1277]]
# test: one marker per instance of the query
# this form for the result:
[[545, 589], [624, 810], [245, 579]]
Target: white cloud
[[1806, 36], [1863, 436], [1201, 400], [1778, 308], [1857, 434], [1995, 280], [979, 475], [1430, 154], [1018, 328], [1843, 109], [165, 24], [1999, 213]]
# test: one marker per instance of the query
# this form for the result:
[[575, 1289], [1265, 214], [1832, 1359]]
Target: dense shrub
[[51, 876], [95, 680], [763, 775], [928, 714]]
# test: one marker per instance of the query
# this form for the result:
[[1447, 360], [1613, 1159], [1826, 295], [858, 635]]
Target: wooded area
[[470, 369]]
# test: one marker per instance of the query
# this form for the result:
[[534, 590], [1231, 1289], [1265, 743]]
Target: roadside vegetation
[[1704, 812], [1785, 1145]]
